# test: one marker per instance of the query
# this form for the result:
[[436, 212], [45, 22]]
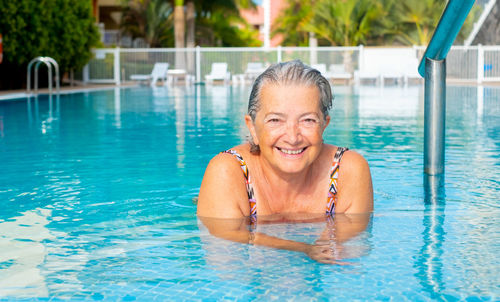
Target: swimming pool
[[96, 202]]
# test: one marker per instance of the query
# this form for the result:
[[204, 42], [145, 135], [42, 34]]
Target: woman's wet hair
[[289, 73]]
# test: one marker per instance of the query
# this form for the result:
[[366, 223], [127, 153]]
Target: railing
[[49, 62], [433, 68], [473, 64]]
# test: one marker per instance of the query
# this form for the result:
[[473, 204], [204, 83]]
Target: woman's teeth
[[291, 151]]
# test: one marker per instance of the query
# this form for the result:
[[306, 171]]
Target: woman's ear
[[327, 122], [251, 128]]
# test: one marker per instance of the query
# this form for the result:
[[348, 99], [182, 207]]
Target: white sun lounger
[[218, 72], [159, 73], [336, 71], [254, 69]]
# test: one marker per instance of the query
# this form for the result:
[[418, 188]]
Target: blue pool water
[[96, 200]]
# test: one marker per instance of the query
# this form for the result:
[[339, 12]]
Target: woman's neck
[[285, 191]]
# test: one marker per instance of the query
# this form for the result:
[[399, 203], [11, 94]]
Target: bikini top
[[332, 191]]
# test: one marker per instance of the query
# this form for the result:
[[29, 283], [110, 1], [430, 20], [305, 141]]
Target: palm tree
[[196, 12], [416, 20], [148, 19], [345, 22], [291, 22], [179, 33]]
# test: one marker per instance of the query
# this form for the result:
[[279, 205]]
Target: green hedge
[[62, 29]]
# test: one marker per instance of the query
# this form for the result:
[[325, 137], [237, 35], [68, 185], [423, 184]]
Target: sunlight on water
[[97, 190]]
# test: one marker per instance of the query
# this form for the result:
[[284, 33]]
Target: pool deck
[[21, 93]]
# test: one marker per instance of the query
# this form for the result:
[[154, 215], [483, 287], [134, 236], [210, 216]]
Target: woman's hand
[[325, 252]]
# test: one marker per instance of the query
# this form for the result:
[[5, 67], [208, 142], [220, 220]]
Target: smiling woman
[[286, 172], [286, 166]]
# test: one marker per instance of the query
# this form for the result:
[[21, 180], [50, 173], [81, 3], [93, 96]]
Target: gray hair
[[292, 72], [287, 73]]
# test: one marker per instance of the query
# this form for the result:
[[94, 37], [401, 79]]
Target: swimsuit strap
[[250, 192], [334, 174], [332, 192]]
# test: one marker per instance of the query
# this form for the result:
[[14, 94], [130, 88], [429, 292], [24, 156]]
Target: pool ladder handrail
[[450, 23], [49, 62], [433, 68]]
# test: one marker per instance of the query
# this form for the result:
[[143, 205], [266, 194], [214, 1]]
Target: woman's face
[[288, 126]]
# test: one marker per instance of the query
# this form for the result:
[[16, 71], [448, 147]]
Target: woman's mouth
[[291, 151]]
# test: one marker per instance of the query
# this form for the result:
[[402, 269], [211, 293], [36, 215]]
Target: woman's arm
[[223, 192], [355, 193], [237, 230], [343, 229]]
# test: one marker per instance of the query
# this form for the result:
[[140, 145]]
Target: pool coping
[[21, 94], [12, 95]]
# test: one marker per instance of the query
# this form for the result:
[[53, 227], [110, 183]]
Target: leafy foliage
[[416, 20], [62, 29], [292, 22], [344, 22], [369, 22], [149, 19], [218, 23]]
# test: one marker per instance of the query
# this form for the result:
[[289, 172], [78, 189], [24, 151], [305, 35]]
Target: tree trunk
[[190, 38], [179, 32]]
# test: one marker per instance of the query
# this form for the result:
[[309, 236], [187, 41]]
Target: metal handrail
[[433, 68], [446, 31], [49, 62]]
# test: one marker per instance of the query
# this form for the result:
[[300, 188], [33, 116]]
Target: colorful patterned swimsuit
[[332, 191]]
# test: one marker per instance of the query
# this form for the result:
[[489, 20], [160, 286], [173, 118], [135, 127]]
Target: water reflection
[[429, 263], [52, 114], [299, 243], [323, 239], [22, 252], [117, 99]]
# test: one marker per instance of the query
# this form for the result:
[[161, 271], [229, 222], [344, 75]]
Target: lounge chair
[[254, 69], [338, 72], [411, 71], [381, 64], [218, 72], [320, 67], [159, 73]]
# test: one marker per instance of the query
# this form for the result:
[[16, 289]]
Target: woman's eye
[[310, 120]]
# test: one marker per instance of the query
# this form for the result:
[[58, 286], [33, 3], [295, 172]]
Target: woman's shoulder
[[232, 155], [345, 156], [355, 184], [223, 192], [354, 161], [227, 166]]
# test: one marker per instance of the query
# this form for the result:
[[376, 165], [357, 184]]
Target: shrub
[[62, 29]]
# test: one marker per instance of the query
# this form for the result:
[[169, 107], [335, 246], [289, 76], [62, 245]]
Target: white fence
[[476, 64]]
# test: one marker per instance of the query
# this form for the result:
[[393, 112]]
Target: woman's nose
[[292, 133]]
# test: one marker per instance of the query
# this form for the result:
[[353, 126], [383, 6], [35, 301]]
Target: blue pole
[[446, 32], [433, 68]]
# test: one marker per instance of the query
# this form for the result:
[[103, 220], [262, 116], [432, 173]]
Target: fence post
[[313, 49], [116, 66], [279, 53], [85, 75], [360, 57], [480, 64], [198, 64]]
